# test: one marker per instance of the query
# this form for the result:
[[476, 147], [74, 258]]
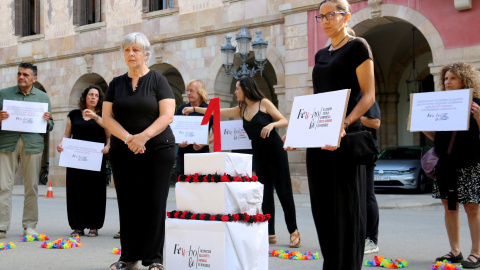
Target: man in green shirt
[[23, 146]]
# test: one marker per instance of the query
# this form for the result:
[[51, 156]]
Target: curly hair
[[82, 102], [466, 72]]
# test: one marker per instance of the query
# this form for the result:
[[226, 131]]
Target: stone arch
[[174, 78], [83, 82]]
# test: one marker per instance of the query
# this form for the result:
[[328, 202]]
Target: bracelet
[[126, 138], [346, 126], [193, 108]]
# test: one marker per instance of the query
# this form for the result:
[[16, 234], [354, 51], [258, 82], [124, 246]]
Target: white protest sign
[[234, 136], [189, 129], [25, 116], [440, 111], [317, 120], [80, 154]]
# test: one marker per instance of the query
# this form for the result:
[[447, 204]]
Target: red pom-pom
[[268, 216], [224, 218], [195, 178], [247, 217], [194, 216], [236, 217], [178, 179], [224, 178], [212, 217], [254, 178], [237, 179], [176, 214], [205, 178], [168, 214], [187, 178], [202, 217]]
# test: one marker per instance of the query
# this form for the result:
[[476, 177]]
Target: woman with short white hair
[[138, 109]]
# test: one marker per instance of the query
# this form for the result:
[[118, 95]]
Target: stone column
[[297, 83]]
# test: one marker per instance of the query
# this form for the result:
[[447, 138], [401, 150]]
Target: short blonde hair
[[200, 86], [467, 73]]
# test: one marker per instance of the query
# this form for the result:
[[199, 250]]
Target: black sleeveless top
[[259, 121]]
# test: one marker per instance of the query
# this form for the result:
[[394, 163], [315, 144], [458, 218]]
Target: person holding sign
[[138, 108], [197, 97], [458, 173], [337, 185], [260, 118], [86, 124], [28, 147]]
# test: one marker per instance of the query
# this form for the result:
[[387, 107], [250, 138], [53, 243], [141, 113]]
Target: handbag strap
[[451, 142]]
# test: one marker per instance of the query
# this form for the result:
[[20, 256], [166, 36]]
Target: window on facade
[[86, 12], [27, 17], [154, 5]]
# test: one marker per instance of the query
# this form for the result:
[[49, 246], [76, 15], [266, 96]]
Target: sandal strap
[[155, 266], [471, 255], [119, 265]]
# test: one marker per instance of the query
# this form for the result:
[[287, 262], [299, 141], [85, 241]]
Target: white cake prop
[[233, 164], [196, 244], [235, 197]]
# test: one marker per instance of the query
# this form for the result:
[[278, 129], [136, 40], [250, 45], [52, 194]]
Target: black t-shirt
[[373, 112], [466, 147], [189, 148], [336, 70], [136, 110]]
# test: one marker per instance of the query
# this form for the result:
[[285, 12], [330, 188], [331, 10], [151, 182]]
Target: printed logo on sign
[[238, 134], [320, 118], [25, 120], [186, 133], [80, 158], [197, 258]]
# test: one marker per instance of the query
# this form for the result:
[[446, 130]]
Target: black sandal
[[451, 257], [93, 233], [468, 263], [76, 233], [123, 266], [155, 266]]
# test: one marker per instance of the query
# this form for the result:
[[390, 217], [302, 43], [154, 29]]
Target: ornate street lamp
[[243, 39], [413, 85]]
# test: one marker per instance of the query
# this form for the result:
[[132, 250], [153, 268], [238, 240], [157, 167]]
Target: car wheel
[[421, 183]]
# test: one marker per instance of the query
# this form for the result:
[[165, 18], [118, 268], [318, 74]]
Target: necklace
[[335, 46]]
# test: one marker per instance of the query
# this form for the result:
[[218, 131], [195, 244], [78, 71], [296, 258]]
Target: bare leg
[[452, 223], [473, 214]]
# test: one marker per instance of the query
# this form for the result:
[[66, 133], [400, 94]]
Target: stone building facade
[[77, 43]]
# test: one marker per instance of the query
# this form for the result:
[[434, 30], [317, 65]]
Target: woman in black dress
[[337, 186], [268, 154], [458, 173], [86, 124], [138, 108]]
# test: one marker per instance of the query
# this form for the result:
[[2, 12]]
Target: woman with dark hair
[[458, 173], [86, 124], [260, 118], [337, 185]]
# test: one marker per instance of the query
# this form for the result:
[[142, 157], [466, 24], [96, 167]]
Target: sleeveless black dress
[[86, 213], [271, 164]]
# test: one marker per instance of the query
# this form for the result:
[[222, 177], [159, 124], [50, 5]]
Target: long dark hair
[[250, 91], [82, 102]]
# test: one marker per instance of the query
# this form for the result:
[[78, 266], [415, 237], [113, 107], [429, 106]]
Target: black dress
[[271, 164], [142, 181], [336, 186], [81, 184]]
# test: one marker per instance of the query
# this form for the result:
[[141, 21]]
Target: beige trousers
[[31, 164]]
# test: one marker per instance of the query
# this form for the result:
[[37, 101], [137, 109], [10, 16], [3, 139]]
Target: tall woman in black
[[337, 186], [86, 124], [260, 118], [138, 108]]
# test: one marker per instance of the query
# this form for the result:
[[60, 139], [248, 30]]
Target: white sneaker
[[29, 231], [370, 247]]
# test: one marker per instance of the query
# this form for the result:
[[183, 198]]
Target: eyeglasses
[[329, 16]]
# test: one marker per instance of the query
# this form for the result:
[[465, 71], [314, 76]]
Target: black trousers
[[142, 183], [337, 190], [271, 164], [372, 206]]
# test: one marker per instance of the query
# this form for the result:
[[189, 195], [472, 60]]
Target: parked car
[[400, 167]]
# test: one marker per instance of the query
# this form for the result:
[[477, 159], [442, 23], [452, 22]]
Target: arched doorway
[[175, 80], [393, 50], [83, 82]]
